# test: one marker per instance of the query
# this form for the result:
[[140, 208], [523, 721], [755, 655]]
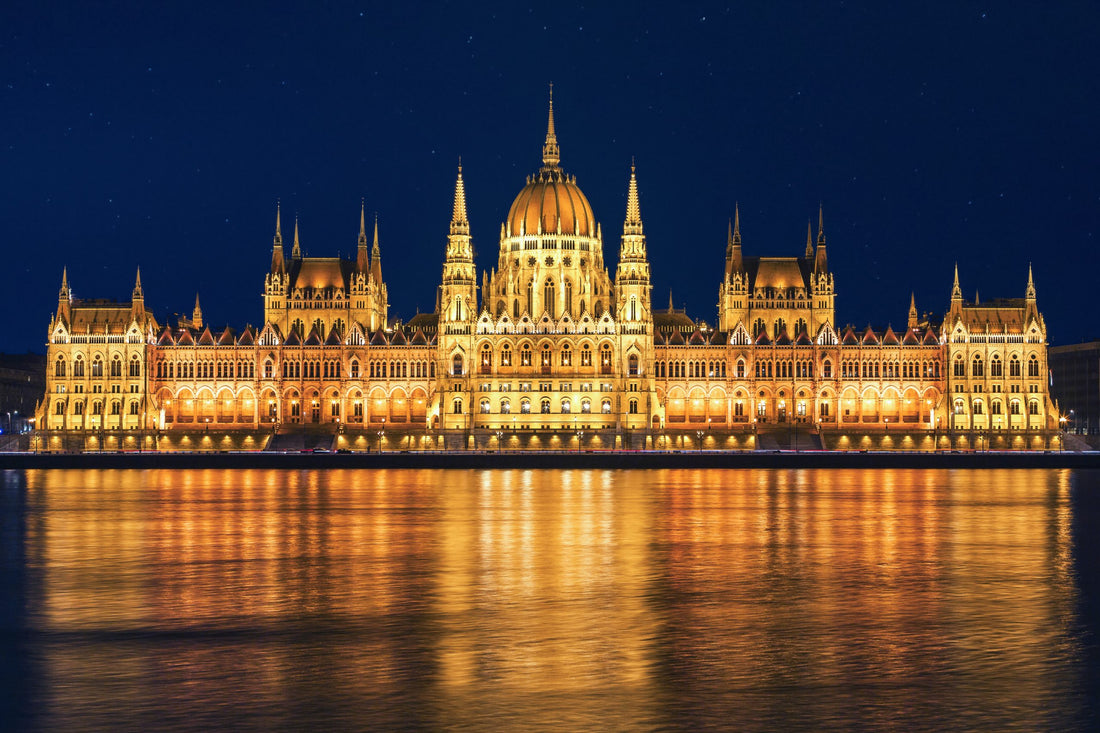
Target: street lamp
[[381, 435]]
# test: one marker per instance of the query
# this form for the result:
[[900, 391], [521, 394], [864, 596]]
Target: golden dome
[[550, 198]]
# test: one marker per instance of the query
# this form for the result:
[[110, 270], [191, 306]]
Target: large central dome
[[551, 202]]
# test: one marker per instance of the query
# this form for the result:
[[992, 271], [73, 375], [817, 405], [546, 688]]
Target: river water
[[550, 600]]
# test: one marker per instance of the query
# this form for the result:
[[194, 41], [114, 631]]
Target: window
[[545, 407], [97, 408], [605, 359], [485, 407], [486, 359], [525, 407], [960, 407], [566, 355], [996, 369], [586, 406], [740, 369], [1014, 366], [59, 408], [977, 368], [525, 355], [78, 408], [632, 365], [505, 407], [545, 358], [456, 367], [78, 367], [506, 355], [586, 356], [456, 406], [97, 367], [116, 407], [960, 367], [548, 297], [977, 407], [739, 409], [1033, 407], [566, 406], [757, 328], [59, 370], [133, 407], [605, 407], [995, 408], [1032, 368], [633, 407], [1014, 407], [355, 369]]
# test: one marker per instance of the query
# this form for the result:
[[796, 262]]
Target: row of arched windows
[[566, 357], [565, 406], [690, 369], [400, 369], [96, 369], [995, 407], [996, 368]]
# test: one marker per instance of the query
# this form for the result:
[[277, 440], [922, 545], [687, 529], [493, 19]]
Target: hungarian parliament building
[[557, 353]]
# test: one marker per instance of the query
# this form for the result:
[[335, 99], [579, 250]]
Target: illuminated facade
[[555, 353]]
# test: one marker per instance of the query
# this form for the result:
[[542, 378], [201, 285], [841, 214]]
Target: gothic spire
[[137, 286], [1030, 294], [296, 252], [733, 243], [633, 223], [362, 264], [821, 259], [196, 315], [914, 319], [459, 223], [956, 291], [376, 256], [551, 155], [64, 282], [277, 264], [809, 241]]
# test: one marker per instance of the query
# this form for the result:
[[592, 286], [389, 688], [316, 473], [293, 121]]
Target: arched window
[[605, 407], [525, 355], [545, 361], [548, 297], [116, 407], [977, 407], [97, 366], [757, 327], [995, 407], [827, 369], [632, 365], [505, 407], [632, 313], [456, 365], [566, 355], [566, 406], [586, 406], [1033, 367], [506, 355], [135, 367], [525, 407], [545, 406], [1014, 367], [1033, 407], [78, 408], [605, 359], [960, 367], [485, 406], [59, 369], [960, 407], [740, 369], [569, 297], [799, 326], [977, 368], [133, 407], [59, 408], [633, 407], [586, 355], [78, 366], [486, 359], [780, 327], [1014, 407], [355, 369], [996, 368]]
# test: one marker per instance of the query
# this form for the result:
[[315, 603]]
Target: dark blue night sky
[[138, 136]]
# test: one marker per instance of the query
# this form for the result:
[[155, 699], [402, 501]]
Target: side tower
[[823, 307], [634, 314], [457, 308], [733, 295]]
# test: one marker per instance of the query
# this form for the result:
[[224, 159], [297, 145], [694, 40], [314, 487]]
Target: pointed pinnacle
[[137, 283], [736, 220], [362, 219], [64, 277], [551, 155], [375, 231], [458, 216]]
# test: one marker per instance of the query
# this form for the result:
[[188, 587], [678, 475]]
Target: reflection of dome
[[552, 198]]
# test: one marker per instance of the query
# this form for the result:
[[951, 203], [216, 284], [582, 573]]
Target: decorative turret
[[296, 252], [734, 293], [914, 319], [809, 254], [956, 298], [821, 262], [64, 297], [376, 257], [196, 314], [362, 261], [278, 264], [1031, 310], [137, 300]]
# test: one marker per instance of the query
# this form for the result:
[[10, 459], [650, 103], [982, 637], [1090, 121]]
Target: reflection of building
[[557, 351], [1075, 377]]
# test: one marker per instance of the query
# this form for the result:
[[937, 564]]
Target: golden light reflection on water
[[568, 599]]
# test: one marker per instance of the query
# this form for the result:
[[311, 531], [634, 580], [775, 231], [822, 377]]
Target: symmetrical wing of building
[[555, 351]]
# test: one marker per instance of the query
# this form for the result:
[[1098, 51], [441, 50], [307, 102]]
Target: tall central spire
[[551, 156]]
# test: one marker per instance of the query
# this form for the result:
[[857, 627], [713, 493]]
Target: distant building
[[554, 352], [22, 382], [1075, 377]]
